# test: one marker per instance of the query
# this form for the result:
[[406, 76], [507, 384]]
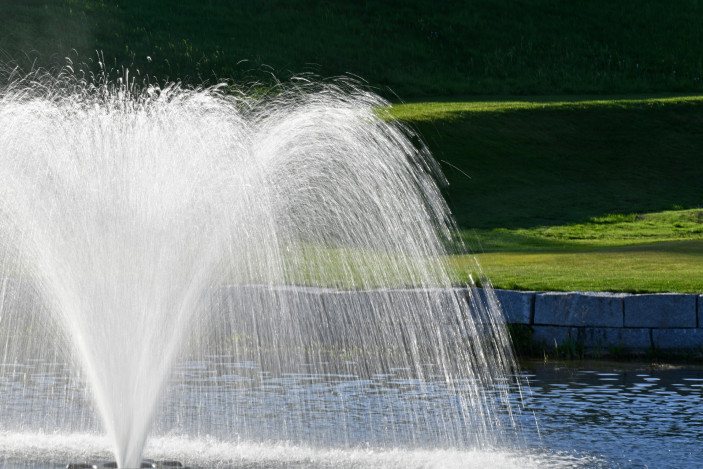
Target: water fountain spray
[[126, 208]]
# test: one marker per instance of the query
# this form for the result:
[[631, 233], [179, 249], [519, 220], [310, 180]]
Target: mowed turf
[[654, 268], [578, 194]]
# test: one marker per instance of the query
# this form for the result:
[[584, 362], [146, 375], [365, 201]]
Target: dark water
[[628, 415], [224, 413]]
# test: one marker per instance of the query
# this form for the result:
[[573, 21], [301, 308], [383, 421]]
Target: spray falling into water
[[129, 209]]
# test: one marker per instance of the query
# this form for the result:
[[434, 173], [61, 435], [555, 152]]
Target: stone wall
[[597, 322], [632, 323]]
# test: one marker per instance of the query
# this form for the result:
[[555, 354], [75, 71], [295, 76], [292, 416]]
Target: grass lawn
[[556, 194], [408, 48], [654, 267]]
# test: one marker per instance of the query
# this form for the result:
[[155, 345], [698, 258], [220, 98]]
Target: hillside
[[571, 133], [547, 162], [573, 194], [408, 48]]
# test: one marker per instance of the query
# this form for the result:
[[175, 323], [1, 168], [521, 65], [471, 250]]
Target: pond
[[227, 413], [622, 415]]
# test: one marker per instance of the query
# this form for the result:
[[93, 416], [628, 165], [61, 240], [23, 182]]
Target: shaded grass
[[409, 47], [524, 164]]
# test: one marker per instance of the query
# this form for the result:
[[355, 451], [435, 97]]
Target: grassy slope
[[550, 163], [413, 47], [534, 168], [590, 195]]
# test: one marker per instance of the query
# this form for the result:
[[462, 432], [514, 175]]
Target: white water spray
[[129, 208]]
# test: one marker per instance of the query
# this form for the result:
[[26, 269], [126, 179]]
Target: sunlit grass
[[440, 110], [599, 232], [356, 268], [654, 252], [656, 267]]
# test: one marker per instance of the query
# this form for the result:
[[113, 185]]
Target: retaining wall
[[630, 322], [633, 323], [596, 321]]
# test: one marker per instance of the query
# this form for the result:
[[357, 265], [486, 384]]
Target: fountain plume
[[127, 207]]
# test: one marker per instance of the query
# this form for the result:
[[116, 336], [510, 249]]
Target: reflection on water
[[225, 413]]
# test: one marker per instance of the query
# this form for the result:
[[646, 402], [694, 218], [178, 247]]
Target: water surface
[[221, 412]]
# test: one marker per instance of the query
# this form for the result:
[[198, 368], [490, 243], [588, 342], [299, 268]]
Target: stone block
[[553, 336], [266, 312], [500, 306], [449, 306], [429, 306], [359, 307], [579, 309], [661, 310], [517, 306], [678, 339], [605, 337]]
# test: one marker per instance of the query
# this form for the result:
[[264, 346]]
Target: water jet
[[209, 269]]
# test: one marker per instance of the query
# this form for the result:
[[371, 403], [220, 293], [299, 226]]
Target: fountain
[[216, 268]]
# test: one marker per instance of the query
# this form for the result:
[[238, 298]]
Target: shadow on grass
[[556, 166]]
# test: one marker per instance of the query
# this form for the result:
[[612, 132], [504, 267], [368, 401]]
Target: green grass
[[563, 191], [556, 194], [547, 163], [451, 109], [410, 48], [637, 253], [655, 267], [608, 231]]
